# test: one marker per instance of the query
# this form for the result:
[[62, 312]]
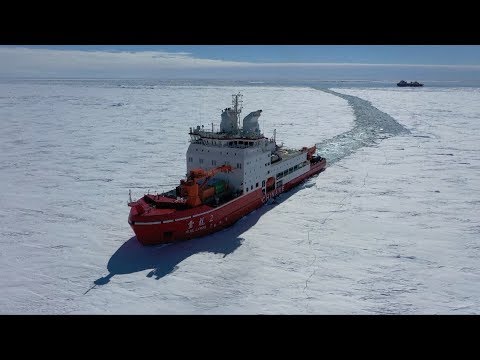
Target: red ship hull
[[158, 226]]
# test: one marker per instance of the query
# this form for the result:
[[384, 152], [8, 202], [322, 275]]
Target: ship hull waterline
[[212, 220]]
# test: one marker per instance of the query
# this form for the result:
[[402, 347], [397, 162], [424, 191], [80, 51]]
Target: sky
[[316, 62]]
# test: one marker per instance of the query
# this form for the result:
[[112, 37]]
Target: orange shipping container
[[208, 192]]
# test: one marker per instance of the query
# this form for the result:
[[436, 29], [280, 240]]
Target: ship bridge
[[219, 139], [245, 148]]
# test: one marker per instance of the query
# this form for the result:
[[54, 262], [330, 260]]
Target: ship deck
[[287, 154]]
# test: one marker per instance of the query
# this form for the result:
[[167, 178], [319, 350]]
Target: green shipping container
[[219, 187]]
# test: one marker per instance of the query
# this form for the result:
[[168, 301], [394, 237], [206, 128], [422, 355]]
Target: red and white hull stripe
[[150, 231]]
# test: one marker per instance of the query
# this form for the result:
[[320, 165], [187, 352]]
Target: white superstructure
[[256, 160]]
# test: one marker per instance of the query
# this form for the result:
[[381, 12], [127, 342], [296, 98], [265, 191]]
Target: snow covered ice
[[391, 226]]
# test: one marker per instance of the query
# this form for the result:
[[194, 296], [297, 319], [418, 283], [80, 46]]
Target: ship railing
[[223, 135], [237, 146]]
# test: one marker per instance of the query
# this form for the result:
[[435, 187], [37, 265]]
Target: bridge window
[[190, 159], [256, 185], [201, 161], [214, 162]]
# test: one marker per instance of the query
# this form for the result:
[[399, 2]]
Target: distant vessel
[[230, 173], [403, 83]]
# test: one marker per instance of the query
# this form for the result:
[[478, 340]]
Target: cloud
[[34, 62], [21, 58]]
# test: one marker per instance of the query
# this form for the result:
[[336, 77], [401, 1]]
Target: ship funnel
[[229, 121], [250, 122]]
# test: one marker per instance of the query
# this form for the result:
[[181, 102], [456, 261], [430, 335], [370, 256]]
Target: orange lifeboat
[[270, 181]]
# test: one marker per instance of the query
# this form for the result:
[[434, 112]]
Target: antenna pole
[[237, 106]]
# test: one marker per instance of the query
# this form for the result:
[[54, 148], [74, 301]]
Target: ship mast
[[237, 106]]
